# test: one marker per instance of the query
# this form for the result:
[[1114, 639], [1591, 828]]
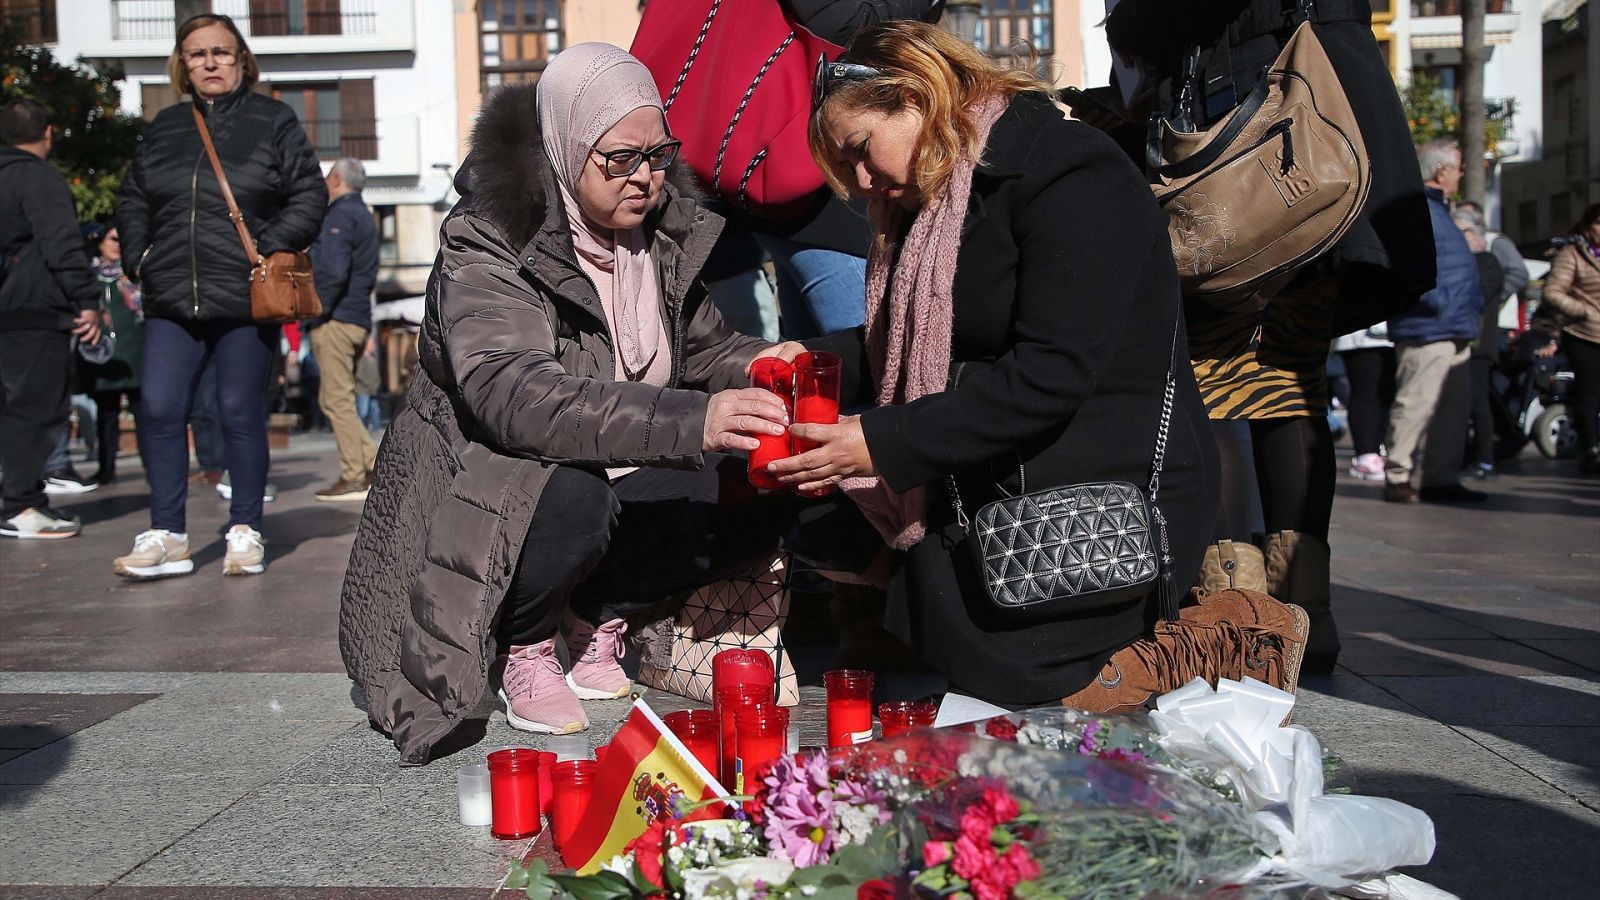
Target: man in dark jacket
[[48, 294], [1432, 344], [345, 265]]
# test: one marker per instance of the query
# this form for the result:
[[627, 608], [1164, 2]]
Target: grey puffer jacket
[[515, 377]]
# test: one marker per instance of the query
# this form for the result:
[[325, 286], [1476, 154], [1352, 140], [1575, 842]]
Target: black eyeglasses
[[624, 162], [835, 72]]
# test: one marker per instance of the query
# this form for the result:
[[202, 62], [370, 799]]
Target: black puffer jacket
[[172, 217]]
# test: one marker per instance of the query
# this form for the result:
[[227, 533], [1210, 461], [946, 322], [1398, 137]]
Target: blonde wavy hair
[[927, 69]]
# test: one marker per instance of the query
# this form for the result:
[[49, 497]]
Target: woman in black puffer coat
[[179, 243]]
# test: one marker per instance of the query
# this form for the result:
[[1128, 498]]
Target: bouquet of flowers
[[941, 814]]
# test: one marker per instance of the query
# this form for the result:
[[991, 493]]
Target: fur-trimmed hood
[[507, 178]]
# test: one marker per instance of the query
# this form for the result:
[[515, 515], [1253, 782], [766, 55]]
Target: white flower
[[621, 864], [855, 823]]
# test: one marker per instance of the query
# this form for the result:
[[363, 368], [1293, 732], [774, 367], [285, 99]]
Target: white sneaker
[[1367, 467], [157, 553], [67, 481], [40, 525], [247, 552]]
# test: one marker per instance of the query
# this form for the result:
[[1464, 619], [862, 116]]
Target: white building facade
[[1426, 35], [373, 79]]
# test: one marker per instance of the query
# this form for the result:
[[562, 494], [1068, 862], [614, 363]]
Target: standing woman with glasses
[[178, 242]]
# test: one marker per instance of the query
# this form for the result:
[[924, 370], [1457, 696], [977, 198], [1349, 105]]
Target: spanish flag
[[645, 775]]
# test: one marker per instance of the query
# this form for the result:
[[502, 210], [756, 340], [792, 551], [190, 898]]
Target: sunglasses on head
[[830, 73]]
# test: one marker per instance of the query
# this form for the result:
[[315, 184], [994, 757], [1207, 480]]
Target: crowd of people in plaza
[[983, 253]]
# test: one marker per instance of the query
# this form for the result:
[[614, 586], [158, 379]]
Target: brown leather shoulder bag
[[1269, 187], [281, 288]]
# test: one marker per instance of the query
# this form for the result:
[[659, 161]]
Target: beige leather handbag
[[1268, 188]]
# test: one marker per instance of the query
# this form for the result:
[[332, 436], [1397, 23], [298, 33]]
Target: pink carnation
[[935, 853]]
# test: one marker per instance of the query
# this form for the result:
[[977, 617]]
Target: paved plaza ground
[[197, 737]]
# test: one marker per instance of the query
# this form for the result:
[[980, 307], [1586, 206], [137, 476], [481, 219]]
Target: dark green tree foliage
[[94, 139]]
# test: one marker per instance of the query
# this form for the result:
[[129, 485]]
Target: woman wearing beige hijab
[[561, 456]]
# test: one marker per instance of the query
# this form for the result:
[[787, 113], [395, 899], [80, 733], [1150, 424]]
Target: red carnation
[[1001, 729], [876, 889]]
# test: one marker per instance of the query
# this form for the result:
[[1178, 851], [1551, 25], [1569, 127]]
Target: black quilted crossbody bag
[[1079, 546]]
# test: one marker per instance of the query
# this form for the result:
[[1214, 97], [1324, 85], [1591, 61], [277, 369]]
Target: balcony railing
[[334, 138], [152, 20], [1426, 8]]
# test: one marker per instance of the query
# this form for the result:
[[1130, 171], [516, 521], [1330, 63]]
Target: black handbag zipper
[[1281, 126]]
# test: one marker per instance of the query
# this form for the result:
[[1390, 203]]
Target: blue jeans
[[747, 304], [210, 448], [175, 354], [819, 291], [367, 409]]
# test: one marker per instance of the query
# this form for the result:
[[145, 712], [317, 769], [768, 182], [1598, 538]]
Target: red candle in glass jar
[[742, 665], [514, 793], [816, 397], [697, 729], [901, 716], [763, 736], [849, 707], [573, 784], [547, 763], [777, 376], [727, 702]]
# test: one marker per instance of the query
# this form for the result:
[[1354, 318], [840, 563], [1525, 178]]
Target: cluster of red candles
[[810, 391], [745, 728], [523, 783]]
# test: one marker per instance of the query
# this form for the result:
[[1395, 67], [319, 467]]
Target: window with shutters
[[338, 115], [154, 96], [1016, 27], [281, 17], [33, 21], [516, 38]]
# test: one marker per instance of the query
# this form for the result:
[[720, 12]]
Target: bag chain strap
[[1163, 430]]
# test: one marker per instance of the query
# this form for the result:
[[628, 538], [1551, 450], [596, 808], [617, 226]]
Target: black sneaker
[[67, 481], [1453, 493]]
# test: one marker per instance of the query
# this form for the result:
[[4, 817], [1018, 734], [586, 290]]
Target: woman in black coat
[[1265, 366], [180, 244], [1063, 322]]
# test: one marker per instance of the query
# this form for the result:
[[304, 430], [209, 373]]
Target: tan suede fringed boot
[[1298, 573], [1228, 634], [1232, 565]]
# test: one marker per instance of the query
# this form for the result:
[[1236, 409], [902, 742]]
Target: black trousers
[[1482, 368], [108, 421], [1371, 374], [35, 385], [611, 549], [1584, 404]]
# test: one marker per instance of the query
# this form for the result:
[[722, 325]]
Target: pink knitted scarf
[[908, 325]]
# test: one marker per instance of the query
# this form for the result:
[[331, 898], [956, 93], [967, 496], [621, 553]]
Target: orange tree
[[95, 140]]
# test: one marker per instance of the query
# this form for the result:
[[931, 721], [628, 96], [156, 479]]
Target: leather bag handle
[[227, 191]]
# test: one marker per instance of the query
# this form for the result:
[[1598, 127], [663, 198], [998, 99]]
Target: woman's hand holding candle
[[733, 416], [841, 452], [785, 351]]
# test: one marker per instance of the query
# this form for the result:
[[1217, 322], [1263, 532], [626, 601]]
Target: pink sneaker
[[535, 693], [595, 654], [1367, 467]]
